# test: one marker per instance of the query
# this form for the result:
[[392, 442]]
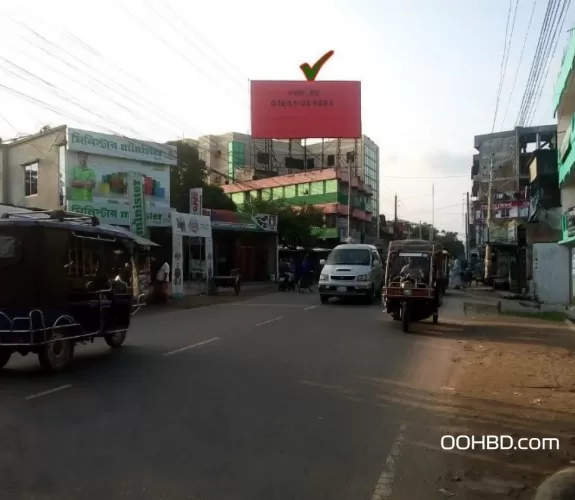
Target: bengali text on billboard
[[299, 110]]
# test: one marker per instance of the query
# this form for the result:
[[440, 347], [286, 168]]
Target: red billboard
[[304, 109]]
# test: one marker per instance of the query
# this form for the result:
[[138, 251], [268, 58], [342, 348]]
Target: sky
[[165, 69]]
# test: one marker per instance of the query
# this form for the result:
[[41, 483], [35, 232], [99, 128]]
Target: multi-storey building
[[327, 189], [236, 157], [503, 164]]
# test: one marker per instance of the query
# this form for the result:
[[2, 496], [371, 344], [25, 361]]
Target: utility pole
[[395, 216], [488, 250], [349, 167], [467, 226], [432, 231]]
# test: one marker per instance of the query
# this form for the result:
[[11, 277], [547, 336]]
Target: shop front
[[247, 242]]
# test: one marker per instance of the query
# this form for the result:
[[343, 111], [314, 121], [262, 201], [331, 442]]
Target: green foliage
[[295, 223], [191, 172], [447, 238]]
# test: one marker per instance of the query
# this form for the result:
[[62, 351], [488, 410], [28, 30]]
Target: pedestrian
[[163, 279]]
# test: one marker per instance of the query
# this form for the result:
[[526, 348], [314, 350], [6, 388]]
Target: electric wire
[[504, 58], [519, 63]]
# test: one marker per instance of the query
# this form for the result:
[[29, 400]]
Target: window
[[266, 194], [316, 188], [331, 186], [289, 191], [7, 247], [278, 193], [31, 179]]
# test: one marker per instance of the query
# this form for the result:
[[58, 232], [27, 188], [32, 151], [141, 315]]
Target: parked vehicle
[[62, 285], [351, 270], [413, 289]]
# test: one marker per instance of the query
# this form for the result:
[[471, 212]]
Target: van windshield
[[349, 256]]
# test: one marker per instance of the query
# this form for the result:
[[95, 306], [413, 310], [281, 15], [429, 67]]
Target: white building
[[86, 172]]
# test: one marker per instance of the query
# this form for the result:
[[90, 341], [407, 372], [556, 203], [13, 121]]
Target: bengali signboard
[[193, 226], [308, 109], [137, 204], [115, 146], [98, 185], [570, 216]]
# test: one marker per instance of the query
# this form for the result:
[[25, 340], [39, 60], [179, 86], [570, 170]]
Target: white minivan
[[351, 271]]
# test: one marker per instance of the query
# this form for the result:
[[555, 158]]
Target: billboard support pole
[[305, 154], [322, 153]]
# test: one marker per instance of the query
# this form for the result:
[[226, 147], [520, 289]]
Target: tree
[[295, 223], [191, 172], [447, 238]]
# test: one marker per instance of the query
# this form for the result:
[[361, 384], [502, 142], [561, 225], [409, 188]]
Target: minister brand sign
[[96, 171]]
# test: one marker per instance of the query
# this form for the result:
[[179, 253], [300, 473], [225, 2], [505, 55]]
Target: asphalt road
[[276, 397]]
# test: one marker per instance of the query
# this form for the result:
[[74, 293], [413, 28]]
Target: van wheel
[[370, 297], [116, 340], [5, 355], [324, 299], [57, 355]]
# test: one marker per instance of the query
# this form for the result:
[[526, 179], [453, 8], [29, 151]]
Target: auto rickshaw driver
[[411, 270]]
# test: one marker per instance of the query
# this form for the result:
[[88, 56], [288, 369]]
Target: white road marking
[[182, 349], [310, 308], [384, 486], [48, 392], [269, 321]]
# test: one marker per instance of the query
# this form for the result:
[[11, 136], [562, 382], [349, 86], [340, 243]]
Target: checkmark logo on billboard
[[311, 72]]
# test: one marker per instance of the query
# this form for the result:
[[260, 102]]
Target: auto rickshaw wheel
[[116, 340], [5, 355], [405, 317], [57, 354]]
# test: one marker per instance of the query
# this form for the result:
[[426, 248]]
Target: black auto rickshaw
[[412, 290], [61, 284]]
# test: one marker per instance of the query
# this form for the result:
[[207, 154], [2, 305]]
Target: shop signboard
[[570, 216], [137, 204], [177, 259], [95, 143], [196, 201], [97, 183], [193, 226]]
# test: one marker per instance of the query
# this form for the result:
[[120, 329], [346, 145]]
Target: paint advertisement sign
[[137, 204], [98, 185], [95, 143], [196, 201], [193, 226], [177, 262], [305, 109]]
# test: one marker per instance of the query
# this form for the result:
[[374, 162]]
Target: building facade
[[236, 157], [503, 164], [86, 172], [326, 189]]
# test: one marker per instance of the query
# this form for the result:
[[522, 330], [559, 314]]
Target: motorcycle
[[286, 282]]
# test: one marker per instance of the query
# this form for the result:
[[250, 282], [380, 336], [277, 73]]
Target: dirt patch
[[516, 380]]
